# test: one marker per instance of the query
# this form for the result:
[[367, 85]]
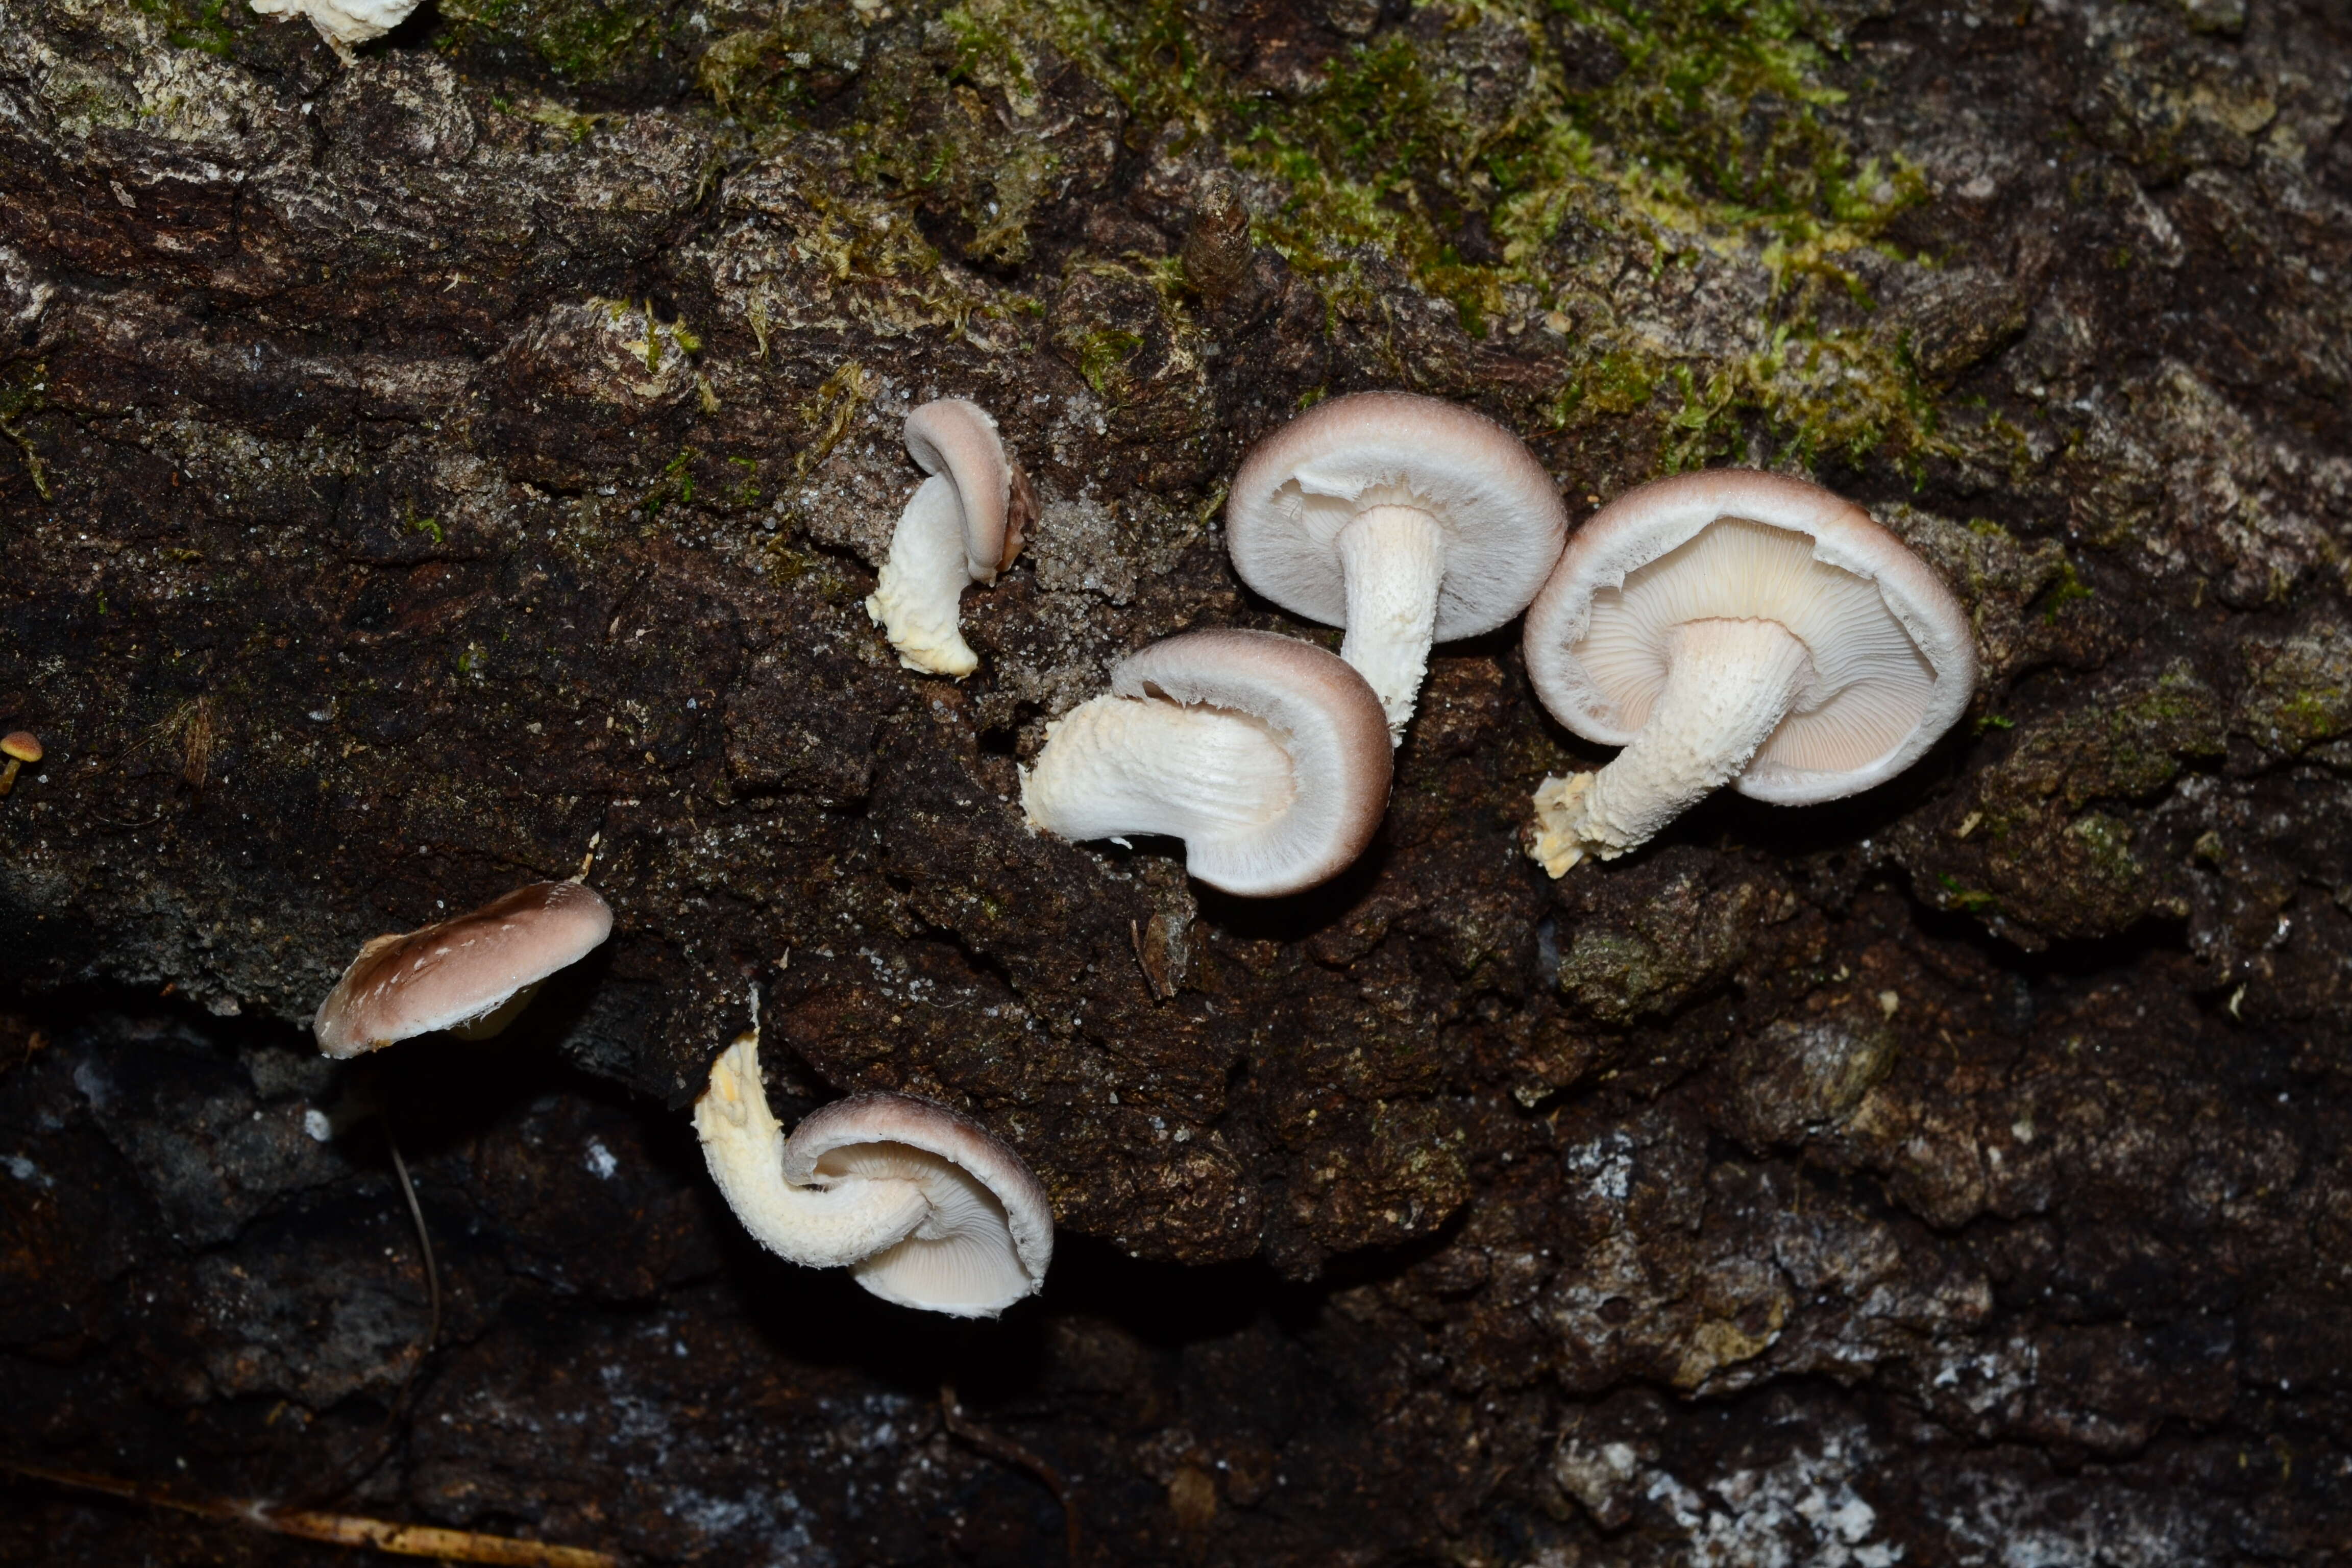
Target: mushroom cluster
[[1727, 627]]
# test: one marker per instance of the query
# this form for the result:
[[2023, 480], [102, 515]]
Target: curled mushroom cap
[[924, 1206], [470, 975], [962, 525], [342, 23], [1736, 626], [1267, 756], [1405, 520]]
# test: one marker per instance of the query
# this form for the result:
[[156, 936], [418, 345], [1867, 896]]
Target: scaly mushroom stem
[[1394, 558], [1728, 685], [917, 597], [1117, 765], [820, 1227]]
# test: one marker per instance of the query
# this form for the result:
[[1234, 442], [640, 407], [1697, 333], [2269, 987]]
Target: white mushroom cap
[[1267, 756], [925, 1206], [472, 973], [1403, 519], [962, 525], [342, 23], [1783, 583]]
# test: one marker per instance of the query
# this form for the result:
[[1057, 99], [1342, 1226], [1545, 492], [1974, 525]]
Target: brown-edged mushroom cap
[[1403, 519], [471, 974], [1267, 756], [962, 525], [925, 1206], [1736, 626], [18, 747]]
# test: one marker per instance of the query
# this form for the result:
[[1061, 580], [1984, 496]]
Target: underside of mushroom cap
[[1303, 485], [459, 971], [988, 1237], [1892, 654], [1318, 711]]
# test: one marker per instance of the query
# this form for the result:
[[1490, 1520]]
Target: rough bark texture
[[416, 469]]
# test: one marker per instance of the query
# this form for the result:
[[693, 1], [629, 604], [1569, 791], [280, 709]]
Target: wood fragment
[[340, 1529]]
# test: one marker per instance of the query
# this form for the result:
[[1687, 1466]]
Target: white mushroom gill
[[925, 1206], [1208, 776], [1737, 648], [344, 24], [829, 1226], [1394, 558]]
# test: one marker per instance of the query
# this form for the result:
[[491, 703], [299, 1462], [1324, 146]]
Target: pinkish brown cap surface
[[459, 971], [958, 437]]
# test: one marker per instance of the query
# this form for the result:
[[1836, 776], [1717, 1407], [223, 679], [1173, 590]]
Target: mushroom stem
[[1116, 765], [495, 1021], [820, 1227], [1394, 558], [916, 598], [1728, 685], [8, 774]]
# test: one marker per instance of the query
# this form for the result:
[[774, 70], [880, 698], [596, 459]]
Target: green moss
[[2069, 588], [23, 390], [194, 23], [1470, 146], [584, 42]]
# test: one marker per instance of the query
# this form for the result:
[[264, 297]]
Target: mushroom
[[344, 24], [1733, 625], [1267, 755], [19, 746], [964, 525], [924, 1206], [1405, 520], [470, 975]]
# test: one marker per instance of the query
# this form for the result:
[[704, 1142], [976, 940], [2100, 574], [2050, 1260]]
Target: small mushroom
[[924, 1206], [1267, 755], [1735, 627], [19, 746], [470, 975], [962, 525], [344, 24], [1405, 520]]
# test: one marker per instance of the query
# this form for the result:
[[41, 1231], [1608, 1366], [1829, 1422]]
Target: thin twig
[[341, 1529], [425, 1241], [1004, 1450]]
